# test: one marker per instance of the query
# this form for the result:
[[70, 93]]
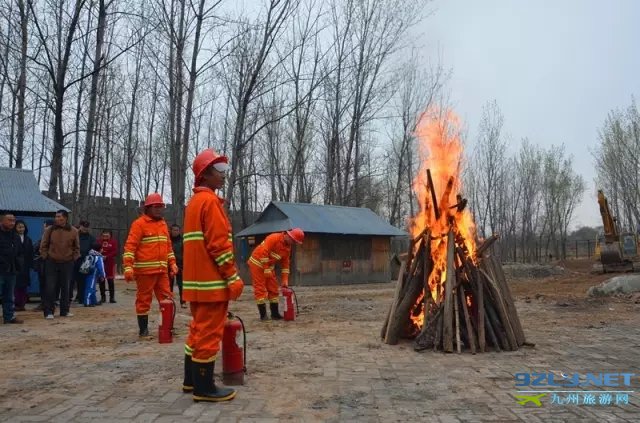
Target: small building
[[21, 195], [343, 245]]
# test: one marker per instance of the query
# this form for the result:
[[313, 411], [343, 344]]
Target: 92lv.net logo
[[590, 389]]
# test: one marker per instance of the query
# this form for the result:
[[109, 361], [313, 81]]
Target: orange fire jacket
[[209, 266], [273, 249], [148, 249]]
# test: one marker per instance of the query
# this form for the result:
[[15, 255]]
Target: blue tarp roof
[[316, 218], [19, 192]]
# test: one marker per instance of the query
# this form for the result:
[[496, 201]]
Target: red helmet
[[296, 234], [205, 159], [153, 199]]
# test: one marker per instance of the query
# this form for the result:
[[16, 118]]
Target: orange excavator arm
[[610, 230]]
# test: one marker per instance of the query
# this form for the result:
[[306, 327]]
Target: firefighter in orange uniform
[[210, 277], [147, 254], [275, 248]]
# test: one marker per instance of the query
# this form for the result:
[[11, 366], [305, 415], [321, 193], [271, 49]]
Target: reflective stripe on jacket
[[273, 249], [209, 266], [148, 249]]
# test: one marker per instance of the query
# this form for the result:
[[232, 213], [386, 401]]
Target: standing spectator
[[38, 266], [176, 241], [10, 265], [60, 248], [93, 269], [86, 241], [109, 252], [23, 280]]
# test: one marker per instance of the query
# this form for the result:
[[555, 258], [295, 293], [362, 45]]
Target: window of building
[[336, 247]]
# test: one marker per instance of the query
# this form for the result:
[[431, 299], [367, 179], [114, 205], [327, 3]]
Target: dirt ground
[[566, 294], [328, 365]]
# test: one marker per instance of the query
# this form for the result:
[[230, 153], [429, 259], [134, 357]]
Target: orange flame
[[440, 151]]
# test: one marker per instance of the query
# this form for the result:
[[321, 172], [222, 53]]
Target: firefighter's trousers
[[157, 283], [265, 286], [205, 330]]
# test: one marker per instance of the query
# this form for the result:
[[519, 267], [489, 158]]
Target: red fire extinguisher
[[234, 356], [167, 316], [290, 300]]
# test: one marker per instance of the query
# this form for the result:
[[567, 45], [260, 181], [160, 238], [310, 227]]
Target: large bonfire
[[451, 291]]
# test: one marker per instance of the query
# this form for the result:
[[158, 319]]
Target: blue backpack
[[88, 265]]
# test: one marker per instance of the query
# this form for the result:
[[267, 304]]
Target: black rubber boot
[[143, 322], [103, 294], [262, 308], [112, 291], [275, 314], [204, 388], [187, 383]]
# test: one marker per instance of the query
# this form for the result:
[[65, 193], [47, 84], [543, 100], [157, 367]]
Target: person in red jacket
[[210, 277], [109, 252], [148, 254], [275, 248]]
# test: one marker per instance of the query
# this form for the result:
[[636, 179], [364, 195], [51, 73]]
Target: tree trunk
[[14, 100], [76, 208], [154, 102], [93, 100], [22, 83], [132, 114], [188, 113], [59, 75], [173, 172], [176, 157]]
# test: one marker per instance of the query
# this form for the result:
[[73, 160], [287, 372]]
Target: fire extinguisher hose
[[173, 322], [296, 300], [230, 315]]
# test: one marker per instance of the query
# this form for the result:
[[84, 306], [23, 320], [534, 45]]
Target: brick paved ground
[[327, 366]]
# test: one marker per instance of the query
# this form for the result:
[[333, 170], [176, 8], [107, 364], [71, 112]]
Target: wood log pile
[[471, 308]]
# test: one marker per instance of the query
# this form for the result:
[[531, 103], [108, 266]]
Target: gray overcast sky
[[556, 68]]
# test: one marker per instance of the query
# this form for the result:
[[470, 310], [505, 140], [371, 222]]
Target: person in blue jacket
[[94, 265]]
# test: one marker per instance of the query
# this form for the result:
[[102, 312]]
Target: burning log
[[486, 245], [432, 190], [455, 312], [447, 329], [471, 336], [482, 340], [499, 277], [396, 297], [399, 317], [498, 301], [492, 333], [451, 293]]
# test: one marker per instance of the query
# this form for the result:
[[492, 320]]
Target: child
[[94, 268]]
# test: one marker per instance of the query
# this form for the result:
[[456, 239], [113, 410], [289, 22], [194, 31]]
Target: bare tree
[[529, 170], [416, 92], [617, 160], [489, 165], [304, 70], [22, 82], [561, 190], [56, 63], [250, 70], [93, 101], [194, 70]]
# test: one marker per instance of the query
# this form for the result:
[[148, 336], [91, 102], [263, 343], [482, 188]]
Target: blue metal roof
[[316, 218], [19, 192]]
